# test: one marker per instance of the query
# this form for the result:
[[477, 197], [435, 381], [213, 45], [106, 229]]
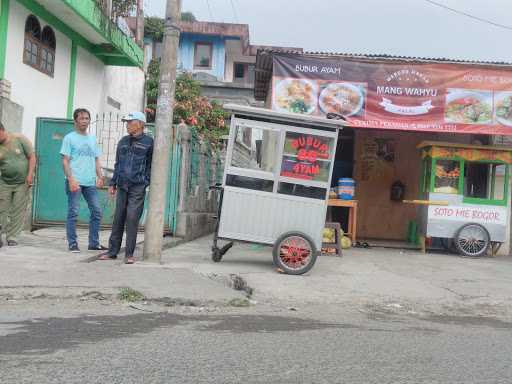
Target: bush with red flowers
[[209, 118]]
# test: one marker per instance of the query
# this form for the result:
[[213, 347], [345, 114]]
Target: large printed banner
[[413, 97]]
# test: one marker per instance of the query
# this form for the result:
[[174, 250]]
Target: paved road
[[67, 341]]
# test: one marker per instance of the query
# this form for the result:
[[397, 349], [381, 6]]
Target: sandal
[[130, 260], [106, 256]]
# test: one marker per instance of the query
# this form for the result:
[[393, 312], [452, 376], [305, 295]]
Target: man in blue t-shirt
[[80, 159]]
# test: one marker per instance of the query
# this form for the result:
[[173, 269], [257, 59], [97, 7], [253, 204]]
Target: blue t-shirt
[[82, 151]]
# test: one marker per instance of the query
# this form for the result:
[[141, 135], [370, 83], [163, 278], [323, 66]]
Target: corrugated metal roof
[[264, 64]]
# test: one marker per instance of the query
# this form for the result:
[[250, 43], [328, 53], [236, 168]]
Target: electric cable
[[469, 15], [234, 11], [209, 9]]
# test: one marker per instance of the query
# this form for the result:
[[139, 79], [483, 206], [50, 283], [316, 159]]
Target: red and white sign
[[481, 215]]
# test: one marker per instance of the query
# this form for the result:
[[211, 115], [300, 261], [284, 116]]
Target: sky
[[395, 27]]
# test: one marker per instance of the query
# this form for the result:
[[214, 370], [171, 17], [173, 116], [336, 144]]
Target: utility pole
[[153, 235]]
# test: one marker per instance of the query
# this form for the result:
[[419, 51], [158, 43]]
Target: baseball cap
[[135, 116]]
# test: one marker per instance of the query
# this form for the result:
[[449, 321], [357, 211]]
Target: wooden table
[[352, 215]]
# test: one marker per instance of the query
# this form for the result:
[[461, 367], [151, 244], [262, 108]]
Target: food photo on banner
[[430, 97]]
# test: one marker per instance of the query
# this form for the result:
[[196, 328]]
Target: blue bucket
[[346, 188]]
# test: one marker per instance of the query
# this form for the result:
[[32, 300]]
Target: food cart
[[276, 182], [465, 196]]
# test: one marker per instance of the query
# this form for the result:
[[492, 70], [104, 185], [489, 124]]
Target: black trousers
[[129, 207]]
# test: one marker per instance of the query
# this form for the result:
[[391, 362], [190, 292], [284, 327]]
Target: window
[[203, 56], [243, 73], [249, 183], [302, 191], [39, 47], [307, 157], [447, 174], [485, 181], [255, 149], [47, 50], [239, 71]]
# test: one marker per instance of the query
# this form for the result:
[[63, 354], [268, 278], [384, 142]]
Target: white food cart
[[276, 182], [466, 192]]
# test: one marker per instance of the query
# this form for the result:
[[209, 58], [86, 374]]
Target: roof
[[240, 31], [285, 117], [264, 63], [426, 144]]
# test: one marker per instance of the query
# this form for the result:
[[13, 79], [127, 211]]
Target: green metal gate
[[50, 201]]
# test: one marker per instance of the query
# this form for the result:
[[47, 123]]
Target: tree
[[120, 8], [188, 16], [154, 26], [123, 8], [190, 107]]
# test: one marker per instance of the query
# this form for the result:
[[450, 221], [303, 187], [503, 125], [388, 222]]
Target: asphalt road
[[66, 341]]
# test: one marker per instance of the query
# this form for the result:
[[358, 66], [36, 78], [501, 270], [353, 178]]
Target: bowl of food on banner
[[296, 95], [468, 107], [346, 99], [503, 108]]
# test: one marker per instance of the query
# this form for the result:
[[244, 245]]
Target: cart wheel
[[472, 240], [216, 255], [295, 253]]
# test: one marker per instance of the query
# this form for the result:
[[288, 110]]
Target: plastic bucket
[[346, 188]]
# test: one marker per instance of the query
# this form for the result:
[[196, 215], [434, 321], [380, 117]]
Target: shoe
[[129, 260], [98, 247], [74, 248], [12, 243], [107, 256]]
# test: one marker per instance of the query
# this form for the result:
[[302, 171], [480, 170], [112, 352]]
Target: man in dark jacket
[[132, 172]]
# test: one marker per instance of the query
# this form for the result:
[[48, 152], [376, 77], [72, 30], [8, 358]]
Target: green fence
[[209, 157]]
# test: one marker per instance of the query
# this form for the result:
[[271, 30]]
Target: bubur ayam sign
[[427, 97], [307, 156]]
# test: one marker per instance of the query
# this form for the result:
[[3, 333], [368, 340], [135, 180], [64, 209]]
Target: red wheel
[[294, 253]]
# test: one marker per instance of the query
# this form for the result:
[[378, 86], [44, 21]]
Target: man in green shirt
[[17, 164]]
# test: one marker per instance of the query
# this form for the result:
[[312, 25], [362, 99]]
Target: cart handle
[[426, 202], [216, 187]]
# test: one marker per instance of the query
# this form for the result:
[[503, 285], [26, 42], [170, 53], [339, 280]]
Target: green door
[[50, 199]]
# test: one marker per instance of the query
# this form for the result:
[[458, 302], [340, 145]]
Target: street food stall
[[465, 195], [276, 182]]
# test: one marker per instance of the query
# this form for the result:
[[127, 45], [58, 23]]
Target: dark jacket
[[133, 161]]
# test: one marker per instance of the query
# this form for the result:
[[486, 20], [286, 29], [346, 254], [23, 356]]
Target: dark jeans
[[90, 195], [129, 207]]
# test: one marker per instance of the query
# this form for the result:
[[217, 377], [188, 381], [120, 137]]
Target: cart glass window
[[302, 191], [485, 181], [255, 149], [307, 157], [249, 183], [447, 174]]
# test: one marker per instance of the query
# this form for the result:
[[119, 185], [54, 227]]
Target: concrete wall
[[90, 81], [39, 94], [11, 115], [126, 86], [186, 54], [234, 55]]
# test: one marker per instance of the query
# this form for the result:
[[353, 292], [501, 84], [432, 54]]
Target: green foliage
[[190, 107], [130, 295], [154, 26], [188, 16], [123, 7]]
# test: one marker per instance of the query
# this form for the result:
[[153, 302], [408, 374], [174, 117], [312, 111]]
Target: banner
[[405, 96]]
